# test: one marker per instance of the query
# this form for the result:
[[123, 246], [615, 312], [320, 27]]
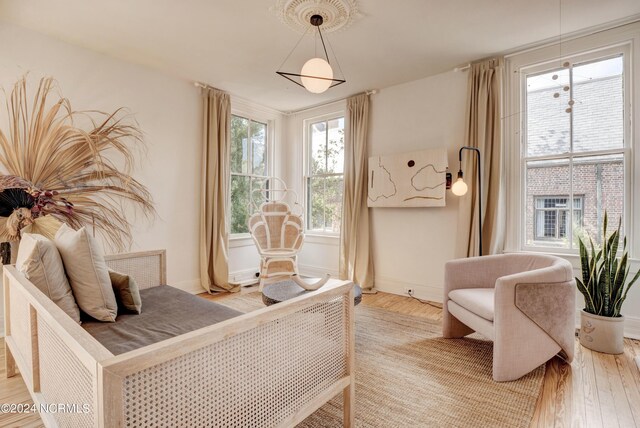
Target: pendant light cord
[[326, 55], [294, 48]]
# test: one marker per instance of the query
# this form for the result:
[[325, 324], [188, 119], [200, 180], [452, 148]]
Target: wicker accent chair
[[278, 235], [524, 303]]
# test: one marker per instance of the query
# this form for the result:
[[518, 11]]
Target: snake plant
[[604, 275]]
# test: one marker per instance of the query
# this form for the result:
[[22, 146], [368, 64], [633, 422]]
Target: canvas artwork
[[413, 179]]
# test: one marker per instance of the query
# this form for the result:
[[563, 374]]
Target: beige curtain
[[356, 262], [216, 143], [483, 130]]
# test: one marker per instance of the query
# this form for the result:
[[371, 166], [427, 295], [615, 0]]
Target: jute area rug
[[409, 376]]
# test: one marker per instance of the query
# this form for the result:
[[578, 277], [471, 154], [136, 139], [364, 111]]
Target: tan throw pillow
[[39, 261], [87, 271], [126, 291]]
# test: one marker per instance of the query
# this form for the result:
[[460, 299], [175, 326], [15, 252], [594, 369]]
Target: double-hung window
[[324, 176], [574, 154], [249, 169]]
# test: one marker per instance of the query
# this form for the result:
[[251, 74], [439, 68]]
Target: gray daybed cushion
[[168, 312]]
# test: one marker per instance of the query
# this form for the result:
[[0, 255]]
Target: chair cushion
[[480, 301]]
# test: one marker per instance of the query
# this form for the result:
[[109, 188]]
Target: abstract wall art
[[413, 179]]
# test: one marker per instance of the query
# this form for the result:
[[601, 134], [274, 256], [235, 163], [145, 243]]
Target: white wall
[[168, 111], [411, 245]]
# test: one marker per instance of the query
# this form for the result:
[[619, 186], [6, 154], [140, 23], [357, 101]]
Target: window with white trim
[[249, 169], [574, 147], [551, 217], [324, 174]]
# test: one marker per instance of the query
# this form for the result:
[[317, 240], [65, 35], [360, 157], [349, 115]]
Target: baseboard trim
[[432, 293], [193, 286], [316, 271], [632, 327], [244, 277]]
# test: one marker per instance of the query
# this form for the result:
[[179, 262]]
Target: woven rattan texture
[[64, 380], [216, 386], [146, 270], [20, 324]]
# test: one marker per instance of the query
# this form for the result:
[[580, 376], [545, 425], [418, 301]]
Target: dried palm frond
[[65, 168]]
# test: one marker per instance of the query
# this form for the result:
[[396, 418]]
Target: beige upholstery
[[480, 301], [39, 261], [525, 303], [87, 271]]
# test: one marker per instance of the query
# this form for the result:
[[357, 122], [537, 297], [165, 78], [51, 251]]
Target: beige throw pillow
[[39, 261], [87, 271], [126, 291]]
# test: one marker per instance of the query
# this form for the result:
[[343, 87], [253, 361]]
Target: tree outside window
[[249, 169], [325, 175]]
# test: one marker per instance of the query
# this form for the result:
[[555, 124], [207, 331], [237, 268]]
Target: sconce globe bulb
[[459, 188]]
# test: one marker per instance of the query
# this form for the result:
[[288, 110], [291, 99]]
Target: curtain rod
[[288, 113], [367, 92]]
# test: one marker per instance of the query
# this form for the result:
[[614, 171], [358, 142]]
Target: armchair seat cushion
[[479, 301]]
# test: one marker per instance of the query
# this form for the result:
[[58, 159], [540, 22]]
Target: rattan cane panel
[[19, 319], [144, 269], [254, 379], [64, 379]]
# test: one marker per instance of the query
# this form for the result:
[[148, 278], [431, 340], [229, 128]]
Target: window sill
[[240, 240], [324, 239]]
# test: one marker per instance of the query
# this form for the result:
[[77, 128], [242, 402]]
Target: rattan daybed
[[271, 367]]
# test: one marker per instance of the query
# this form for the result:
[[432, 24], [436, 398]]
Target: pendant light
[[316, 75]]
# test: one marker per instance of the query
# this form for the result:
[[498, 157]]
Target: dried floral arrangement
[[55, 163]]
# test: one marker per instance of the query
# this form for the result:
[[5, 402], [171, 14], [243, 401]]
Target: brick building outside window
[[577, 153]]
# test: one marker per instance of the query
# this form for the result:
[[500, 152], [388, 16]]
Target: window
[[552, 217], [324, 180], [249, 169], [574, 146]]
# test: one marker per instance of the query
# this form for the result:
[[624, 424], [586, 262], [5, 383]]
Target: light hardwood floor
[[596, 390]]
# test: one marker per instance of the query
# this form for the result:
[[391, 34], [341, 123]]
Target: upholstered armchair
[[524, 303]]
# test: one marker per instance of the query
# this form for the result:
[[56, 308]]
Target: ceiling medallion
[[336, 14]]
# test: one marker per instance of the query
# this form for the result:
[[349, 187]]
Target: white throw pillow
[[88, 273], [39, 261]]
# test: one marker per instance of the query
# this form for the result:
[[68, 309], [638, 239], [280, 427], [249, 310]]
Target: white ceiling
[[237, 45]]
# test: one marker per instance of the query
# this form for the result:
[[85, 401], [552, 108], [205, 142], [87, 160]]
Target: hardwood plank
[[593, 413], [546, 417], [578, 411], [616, 385], [626, 370], [564, 394], [606, 393]]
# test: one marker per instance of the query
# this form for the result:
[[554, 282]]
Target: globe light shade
[[316, 67], [459, 188]]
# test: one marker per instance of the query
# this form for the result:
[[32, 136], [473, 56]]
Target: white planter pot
[[602, 334]]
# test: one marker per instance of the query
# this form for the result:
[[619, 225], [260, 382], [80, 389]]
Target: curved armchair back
[[524, 302]]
